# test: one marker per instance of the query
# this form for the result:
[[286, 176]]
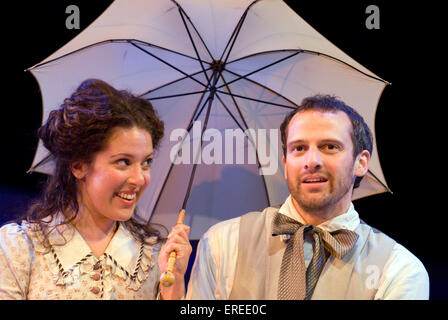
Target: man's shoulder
[[403, 259], [231, 226], [400, 257]]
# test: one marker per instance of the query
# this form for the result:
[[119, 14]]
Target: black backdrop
[[396, 52]]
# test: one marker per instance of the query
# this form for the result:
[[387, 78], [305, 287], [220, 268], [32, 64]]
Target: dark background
[[402, 52]]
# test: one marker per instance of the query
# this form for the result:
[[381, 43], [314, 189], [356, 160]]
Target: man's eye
[[299, 148], [331, 147]]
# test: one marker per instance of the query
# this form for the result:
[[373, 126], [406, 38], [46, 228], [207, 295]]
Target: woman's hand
[[178, 240]]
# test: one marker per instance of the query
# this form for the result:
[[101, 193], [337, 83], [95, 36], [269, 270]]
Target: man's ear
[[284, 166], [79, 170], [362, 163]]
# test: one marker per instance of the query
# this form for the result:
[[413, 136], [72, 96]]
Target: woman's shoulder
[[15, 238], [14, 230]]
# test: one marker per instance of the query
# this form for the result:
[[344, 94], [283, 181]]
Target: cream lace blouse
[[127, 270]]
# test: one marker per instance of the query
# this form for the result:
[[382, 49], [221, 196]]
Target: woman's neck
[[97, 232]]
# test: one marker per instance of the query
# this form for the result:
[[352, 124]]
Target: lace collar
[[69, 256]]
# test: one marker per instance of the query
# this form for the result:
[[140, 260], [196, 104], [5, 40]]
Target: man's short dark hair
[[361, 135]]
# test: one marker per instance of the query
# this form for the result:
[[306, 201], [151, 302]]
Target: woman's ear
[[362, 163], [79, 170]]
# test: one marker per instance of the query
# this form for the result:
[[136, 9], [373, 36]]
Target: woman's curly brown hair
[[78, 130]]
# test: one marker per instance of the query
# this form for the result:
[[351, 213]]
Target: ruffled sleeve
[[16, 258]]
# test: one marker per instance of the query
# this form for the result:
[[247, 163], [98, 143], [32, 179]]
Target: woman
[[83, 239]]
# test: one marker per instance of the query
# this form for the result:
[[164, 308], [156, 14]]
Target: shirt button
[[95, 290], [96, 277], [97, 266]]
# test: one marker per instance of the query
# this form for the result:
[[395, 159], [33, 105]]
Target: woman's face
[[111, 185]]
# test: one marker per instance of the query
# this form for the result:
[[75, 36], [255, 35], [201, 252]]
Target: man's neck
[[317, 217]]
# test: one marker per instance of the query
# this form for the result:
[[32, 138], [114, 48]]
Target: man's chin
[[313, 202]]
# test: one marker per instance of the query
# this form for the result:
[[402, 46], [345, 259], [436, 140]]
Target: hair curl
[[76, 132]]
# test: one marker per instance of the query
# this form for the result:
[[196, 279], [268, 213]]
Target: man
[[314, 246]]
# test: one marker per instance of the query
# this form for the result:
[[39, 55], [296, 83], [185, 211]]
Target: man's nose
[[313, 160]]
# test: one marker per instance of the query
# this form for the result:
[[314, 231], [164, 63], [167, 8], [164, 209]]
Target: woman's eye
[[123, 162], [147, 162]]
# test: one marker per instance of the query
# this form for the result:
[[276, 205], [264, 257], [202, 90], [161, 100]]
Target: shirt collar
[[122, 247], [348, 220]]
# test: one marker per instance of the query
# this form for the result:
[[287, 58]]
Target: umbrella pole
[[167, 278]]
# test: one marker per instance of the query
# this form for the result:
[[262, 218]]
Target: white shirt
[[403, 276]]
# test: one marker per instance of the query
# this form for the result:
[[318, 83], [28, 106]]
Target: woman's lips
[[127, 198]]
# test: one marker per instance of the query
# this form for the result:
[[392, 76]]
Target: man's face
[[319, 164]]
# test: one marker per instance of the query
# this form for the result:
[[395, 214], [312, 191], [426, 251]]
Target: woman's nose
[[137, 176]]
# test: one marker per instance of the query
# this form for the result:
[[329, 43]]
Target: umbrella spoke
[[264, 87], [162, 48], [106, 42], [234, 101], [184, 15], [198, 152], [190, 126], [378, 180], [177, 95], [262, 68], [310, 52], [231, 114], [168, 64], [187, 132], [256, 100], [235, 33], [171, 83], [194, 46], [45, 160], [249, 138], [214, 79]]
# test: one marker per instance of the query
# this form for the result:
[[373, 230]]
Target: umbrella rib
[[168, 64], [177, 95], [256, 100], [183, 14], [105, 42], [308, 52], [170, 83], [47, 158], [166, 49], [214, 79], [265, 88], [376, 178], [262, 68], [230, 113], [236, 32], [253, 145], [192, 42], [195, 165], [189, 127], [247, 127]]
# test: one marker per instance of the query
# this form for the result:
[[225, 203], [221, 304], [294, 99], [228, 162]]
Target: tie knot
[[337, 243], [282, 224]]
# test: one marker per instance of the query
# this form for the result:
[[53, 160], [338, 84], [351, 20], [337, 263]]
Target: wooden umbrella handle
[[167, 278]]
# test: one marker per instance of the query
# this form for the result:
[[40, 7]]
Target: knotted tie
[[295, 283]]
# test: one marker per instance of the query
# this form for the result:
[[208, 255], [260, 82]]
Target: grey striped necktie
[[296, 282]]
